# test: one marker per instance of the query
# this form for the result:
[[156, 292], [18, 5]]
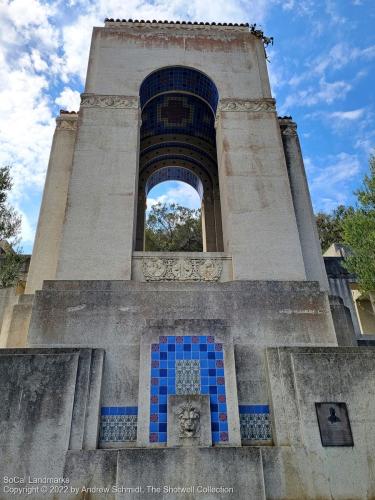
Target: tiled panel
[[166, 357], [255, 423], [188, 376], [118, 423]]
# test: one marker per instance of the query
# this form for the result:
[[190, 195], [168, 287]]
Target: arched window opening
[[178, 143], [173, 217]]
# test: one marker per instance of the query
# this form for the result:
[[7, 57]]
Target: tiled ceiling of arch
[[176, 113]]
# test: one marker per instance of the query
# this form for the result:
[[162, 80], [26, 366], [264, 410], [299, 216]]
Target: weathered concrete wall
[[49, 403], [98, 232], [8, 298], [342, 320], [116, 315], [238, 469], [298, 378], [259, 224], [52, 212]]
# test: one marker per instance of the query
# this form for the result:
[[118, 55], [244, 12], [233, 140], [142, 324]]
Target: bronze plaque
[[334, 425]]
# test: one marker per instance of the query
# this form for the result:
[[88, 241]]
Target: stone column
[[100, 222], [308, 233], [208, 216], [259, 224], [141, 212], [51, 218]]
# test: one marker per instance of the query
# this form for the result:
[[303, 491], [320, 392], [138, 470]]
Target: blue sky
[[322, 70]]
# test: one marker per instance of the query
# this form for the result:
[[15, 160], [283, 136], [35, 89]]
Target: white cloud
[[174, 192], [347, 115], [69, 99]]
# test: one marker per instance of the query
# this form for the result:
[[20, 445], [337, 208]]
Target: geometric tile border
[[118, 423], [171, 376], [255, 422]]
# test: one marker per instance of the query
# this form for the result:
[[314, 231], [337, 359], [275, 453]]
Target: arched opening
[[178, 142]]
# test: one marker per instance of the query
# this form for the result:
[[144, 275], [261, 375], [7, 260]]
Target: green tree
[[10, 224], [359, 233], [173, 228], [330, 228]]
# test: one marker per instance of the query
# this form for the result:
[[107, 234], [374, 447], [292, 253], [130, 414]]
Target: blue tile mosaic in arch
[[255, 422], [118, 423], [179, 78], [170, 376]]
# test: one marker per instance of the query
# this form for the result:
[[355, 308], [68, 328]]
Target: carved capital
[[288, 127], [109, 101], [181, 269], [252, 105], [68, 122]]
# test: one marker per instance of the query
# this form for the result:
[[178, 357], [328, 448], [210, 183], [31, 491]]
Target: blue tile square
[[219, 355], [195, 347], [154, 389], [213, 389], [162, 389], [214, 407], [203, 339], [163, 399], [163, 418], [211, 363], [162, 408], [163, 364], [187, 339], [153, 427], [187, 354], [154, 372], [203, 347], [205, 389], [155, 355], [211, 380], [211, 355], [221, 389], [187, 347], [222, 408], [171, 373], [171, 347], [163, 355], [204, 381], [104, 410], [215, 437], [212, 372], [214, 426], [195, 355], [171, 339], [162, 427], [162, 437], [214, 398], [210, 347], [179, 355], [154, 408], [171, 389], [204, 363], [163, 347], [223, 426], [163, 372], [179, 347], [204, 372], [171, 364], [220, 372], [171, 355]]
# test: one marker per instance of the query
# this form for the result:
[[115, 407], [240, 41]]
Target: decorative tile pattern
[[188, 376], [179, 78], [255, 423], [118, 423], [176, 364]]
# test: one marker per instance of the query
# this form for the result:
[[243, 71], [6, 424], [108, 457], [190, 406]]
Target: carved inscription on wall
[[181, 269], [108, 101]]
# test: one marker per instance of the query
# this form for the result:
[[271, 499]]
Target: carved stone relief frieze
[[253, 105], [109, 101], [181, 269]]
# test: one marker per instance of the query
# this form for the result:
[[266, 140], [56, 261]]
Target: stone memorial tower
[[217, 371]]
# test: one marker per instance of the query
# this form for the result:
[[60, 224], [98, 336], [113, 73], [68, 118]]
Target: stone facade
[[182, 375]]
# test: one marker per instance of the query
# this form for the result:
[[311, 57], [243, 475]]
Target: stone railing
[[181, 266]]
